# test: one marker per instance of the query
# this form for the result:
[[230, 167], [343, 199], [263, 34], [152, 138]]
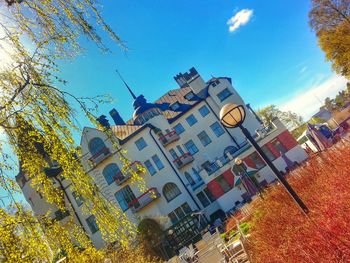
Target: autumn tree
[[36, 110], [340, 99], [330, 19], [290, 119], [329, 104]]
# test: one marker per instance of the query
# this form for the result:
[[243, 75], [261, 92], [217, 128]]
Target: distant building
[[188, 154], [323, 114]]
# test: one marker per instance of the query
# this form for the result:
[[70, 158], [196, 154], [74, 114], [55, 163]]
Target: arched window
[[110, 171], [230, 149], [96, 145], [170, 191]]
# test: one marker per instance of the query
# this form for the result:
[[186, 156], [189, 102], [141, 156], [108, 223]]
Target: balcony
[[212, 167], [98, 157], [143, 200], [169, 138], [134, 167], [183, 160], [264, 131], [121, 177]]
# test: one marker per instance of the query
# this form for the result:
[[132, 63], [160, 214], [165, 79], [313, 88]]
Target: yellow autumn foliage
[[34, 109]]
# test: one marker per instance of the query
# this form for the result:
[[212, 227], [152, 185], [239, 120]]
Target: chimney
[[118, 120], [103, 121]]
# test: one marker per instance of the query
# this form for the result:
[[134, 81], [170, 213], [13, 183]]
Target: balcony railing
[[143, 200], [264, 131], [101, 155], [121, 177], [217, 164], [169, 138], [183, 160]]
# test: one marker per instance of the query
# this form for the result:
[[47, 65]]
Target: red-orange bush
[[281, 233]]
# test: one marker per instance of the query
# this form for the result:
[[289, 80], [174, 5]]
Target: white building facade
[[189, 156]]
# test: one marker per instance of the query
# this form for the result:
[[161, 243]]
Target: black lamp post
[[232, 116]]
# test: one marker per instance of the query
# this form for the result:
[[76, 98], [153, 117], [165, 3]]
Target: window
[[279, 146], [191, 147], [59, 214], [215, 83], [268, 153], [170, 191], [173, 217], [124, 197], [179, 213], [204, 111], [203, 199], [175, 106], [150, 167], [191, 120], [110, 172], [186, 208], [189, 96], [222, 95], [158, 162], [179, 128], [96, 145], [255, 157], [91, 221], [204, 138], [223, 183], [189, 178], [179, 148], [209, 194], [217, 129], [196, 174], [173, 154], [78, 198], [140, 144]]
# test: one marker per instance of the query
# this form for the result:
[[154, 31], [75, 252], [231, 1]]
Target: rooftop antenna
[[127, 86]]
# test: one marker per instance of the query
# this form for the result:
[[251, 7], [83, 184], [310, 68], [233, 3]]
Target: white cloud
[[308, 101], [239, 19], [303, 70]]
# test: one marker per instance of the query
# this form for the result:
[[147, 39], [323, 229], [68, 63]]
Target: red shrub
[[281, 233]]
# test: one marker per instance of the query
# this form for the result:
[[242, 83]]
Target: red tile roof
[[123, 131]]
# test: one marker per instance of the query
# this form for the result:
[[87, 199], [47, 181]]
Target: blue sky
[[272, 58], [271, 55]]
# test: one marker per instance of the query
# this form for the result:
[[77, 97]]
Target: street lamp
[[232, 116]]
